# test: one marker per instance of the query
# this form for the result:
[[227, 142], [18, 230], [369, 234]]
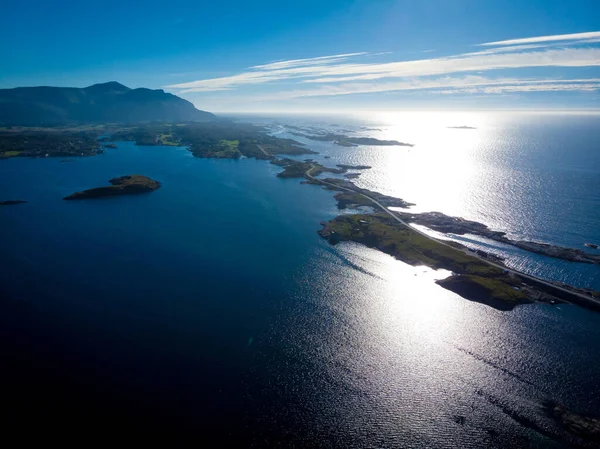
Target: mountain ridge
[[102, 102]]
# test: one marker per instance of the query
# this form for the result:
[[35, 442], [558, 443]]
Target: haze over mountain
[[106, 102]]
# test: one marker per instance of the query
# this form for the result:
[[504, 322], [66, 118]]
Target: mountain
[[106, 102]]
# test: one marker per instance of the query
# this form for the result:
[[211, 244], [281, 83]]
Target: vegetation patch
[[475, 278], [12, 153]]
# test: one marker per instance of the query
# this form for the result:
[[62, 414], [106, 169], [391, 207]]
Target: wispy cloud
[[541, 87], [553, 38], [456, 84], [306, 62], [349, 73]]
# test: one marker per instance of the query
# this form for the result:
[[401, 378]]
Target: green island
[[124, 185], [473, 279]]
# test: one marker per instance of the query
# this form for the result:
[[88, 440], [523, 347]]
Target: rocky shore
[[459, 226]]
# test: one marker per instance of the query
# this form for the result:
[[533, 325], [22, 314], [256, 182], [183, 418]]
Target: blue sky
[[315, 55]]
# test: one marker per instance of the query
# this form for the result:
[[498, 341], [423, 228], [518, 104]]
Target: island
[[124, 185], [474, 279], [11, 202], [461, 127], [351, 141], [354, 167]]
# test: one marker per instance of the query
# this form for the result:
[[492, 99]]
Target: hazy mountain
[[106, 102]]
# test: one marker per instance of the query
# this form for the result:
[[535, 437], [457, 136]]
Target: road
[[567, 295], [260, 147]]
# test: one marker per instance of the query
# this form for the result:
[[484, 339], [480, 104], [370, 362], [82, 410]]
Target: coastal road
[[260, 147], [585, 299]]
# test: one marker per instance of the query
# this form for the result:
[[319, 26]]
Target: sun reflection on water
[[444, 163]]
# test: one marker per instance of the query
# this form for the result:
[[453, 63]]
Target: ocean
[[211, 309]]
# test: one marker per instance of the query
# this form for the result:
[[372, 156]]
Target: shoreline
[[472, 288], [497, 283]]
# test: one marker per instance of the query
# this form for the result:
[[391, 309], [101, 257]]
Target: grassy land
[[11, 153], [168, 140], [353, 199], [219, 139], [479, 279]]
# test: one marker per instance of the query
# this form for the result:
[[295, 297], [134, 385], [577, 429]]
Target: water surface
[[211, 308]]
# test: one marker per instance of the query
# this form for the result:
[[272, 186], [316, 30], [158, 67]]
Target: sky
[[306, 55]]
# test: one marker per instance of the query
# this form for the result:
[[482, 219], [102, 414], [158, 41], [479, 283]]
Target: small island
[[461, 127], [124, 185], [354, 167], [11, 202], [351, 141]]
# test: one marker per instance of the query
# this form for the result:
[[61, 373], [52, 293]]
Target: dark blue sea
[[210, 309]]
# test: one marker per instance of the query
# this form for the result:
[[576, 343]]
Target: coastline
[[270, 149], [468, 292]]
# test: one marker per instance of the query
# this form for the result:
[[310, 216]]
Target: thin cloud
[[335, 73], [516, 88], [556, 37], [453, 83], [305, 62], [349, 73]]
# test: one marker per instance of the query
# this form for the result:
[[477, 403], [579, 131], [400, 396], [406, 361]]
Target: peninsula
[[474, 279], [124, 185], [477, 277]]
